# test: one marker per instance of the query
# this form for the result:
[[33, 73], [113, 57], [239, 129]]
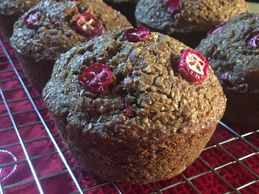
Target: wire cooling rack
[[229, 163]]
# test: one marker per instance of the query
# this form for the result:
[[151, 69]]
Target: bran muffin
[[52, 27], [233, 52], [134, 106], [10, 11], [186, 20]]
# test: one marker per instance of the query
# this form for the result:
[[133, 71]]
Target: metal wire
[[23, 146], [42, 120], [239, 161], [1, 189], [188, 180], [117, 187], [239, 136]]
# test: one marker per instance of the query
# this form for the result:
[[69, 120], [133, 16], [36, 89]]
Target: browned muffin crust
[[192, 16], [39, 47], [237, 66], [10, 11], [55, 33], [173, 118]]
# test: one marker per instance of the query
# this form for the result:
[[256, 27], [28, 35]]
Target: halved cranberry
[[172, 6], [31, 18], [193, 66], [88, 25], [96, 78], [217, 29], [253, 40], [137, 34]]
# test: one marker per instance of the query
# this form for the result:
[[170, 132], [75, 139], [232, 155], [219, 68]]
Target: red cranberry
[[217, 29], [88, 25], [253, 40], [137, 34], [32, 18], [193, 66], [96, 78], [172, 6]]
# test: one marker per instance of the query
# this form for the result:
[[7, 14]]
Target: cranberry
[[137, 34], [97, 78], [172, 6], [217, 29], [88, 25], [253, 40], [32, 18], [193, 66]]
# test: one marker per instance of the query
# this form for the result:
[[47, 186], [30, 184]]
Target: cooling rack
[[33, 158]]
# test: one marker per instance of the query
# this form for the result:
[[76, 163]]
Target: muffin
[[134, 106], [186, 20], [52, 27], [233, 52], [10, 11]]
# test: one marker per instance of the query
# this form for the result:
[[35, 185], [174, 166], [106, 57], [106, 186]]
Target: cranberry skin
[[217, 29], [253, 40], [193, 66], [172, 6], [137, 34], [97, 78], [88, 25], [32, 18]]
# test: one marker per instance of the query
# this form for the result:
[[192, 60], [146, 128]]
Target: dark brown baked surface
[[228, 52], [237, 66], [173, 119], [192, 15], [55, 33]]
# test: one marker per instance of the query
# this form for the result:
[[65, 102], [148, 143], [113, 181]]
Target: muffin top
[[186, 15], [17, 7], [52, 27], [233, 52], [134, 85]]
